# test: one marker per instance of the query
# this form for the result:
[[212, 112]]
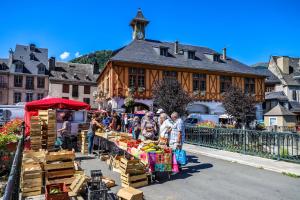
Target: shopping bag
[[181, 156], [175, 167]]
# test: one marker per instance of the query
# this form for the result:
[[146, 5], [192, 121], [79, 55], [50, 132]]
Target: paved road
[[212, 179]]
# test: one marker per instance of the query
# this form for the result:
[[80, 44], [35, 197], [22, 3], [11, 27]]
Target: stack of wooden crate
[[59, 167], [35, 133], [83, 142], [133, 173], [31, 173], [48, 117]]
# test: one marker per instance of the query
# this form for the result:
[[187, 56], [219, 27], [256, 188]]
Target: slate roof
[[4, 65], [276, 95], [262, 68], [279, 111], [73, 72], [22, 53], [144, 51]]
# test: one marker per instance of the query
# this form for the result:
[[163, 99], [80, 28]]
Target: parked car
[[195, 118]]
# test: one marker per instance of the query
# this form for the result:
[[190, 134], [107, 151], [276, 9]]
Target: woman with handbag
[[177, 138]]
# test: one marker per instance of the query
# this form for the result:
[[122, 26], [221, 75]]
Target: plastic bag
[[180, 156]]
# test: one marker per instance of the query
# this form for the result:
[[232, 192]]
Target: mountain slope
[[100, 57]]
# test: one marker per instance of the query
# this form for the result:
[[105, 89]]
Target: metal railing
[[274, 145], [12, 189]]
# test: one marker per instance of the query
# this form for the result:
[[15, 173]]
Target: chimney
[[52, 63], [224, 53], [176, 47], [283, 62], [32, 47], [96, 68]]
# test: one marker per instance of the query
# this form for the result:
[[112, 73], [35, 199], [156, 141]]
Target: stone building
[[4, 77], [26, 74], [202, 72], [73, 81]]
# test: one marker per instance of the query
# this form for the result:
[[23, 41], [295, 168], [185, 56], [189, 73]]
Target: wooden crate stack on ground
[[59, 167], [31, 179], [83, 142], [49, 118], [130, 193], [35, 133], [133, 173]]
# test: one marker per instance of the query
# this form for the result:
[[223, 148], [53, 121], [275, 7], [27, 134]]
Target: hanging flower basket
[[141, 89], [131, 90]]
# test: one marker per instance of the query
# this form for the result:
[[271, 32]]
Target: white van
[[10, 112]]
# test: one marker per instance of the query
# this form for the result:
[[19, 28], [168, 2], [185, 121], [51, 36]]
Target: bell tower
[[138, 25]]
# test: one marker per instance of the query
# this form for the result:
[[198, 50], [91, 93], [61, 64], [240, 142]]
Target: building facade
[[4, 77], [204, 73], [73, 81], [27, 77]]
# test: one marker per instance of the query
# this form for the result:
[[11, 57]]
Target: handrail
[[275, 145], [13, 183]]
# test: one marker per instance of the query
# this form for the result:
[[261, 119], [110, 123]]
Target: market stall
[[32, 108], [154, 156], [42, 119]]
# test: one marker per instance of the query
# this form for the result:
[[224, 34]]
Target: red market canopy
[[31, 108]]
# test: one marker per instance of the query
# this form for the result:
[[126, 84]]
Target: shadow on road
[[193, 166]]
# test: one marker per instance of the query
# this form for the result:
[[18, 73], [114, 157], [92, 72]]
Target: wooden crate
[[131, 166], [31, 179], [130, 193], [60, 156], [59, 167], [134, 181]]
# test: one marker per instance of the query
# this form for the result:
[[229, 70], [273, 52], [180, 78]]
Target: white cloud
[[77, 54], [64, 55]]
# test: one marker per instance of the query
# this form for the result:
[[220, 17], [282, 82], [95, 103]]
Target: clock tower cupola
[[138, 25]]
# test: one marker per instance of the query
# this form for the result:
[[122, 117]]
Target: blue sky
[[251, 30]]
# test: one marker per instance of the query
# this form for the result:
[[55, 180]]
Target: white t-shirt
[[164, 127]]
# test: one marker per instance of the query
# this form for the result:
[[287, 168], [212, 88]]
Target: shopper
[[136, 128], [165, 128], [149, 127], [115, 122], [94, 125], [65, 131], [178, 133]]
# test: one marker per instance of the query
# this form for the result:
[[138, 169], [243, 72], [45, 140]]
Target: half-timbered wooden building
[[203, 72]]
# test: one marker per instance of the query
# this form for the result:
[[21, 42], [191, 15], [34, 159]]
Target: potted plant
[[129, 101], [131, 90], [141, 89], [196, 93], [202, 93]]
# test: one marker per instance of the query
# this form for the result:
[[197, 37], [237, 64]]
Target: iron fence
[[274, 145], [12, 189]]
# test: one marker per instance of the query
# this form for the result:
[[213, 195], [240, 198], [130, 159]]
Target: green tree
[[170, 96]]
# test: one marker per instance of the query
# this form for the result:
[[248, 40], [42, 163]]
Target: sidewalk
[[267, 164]]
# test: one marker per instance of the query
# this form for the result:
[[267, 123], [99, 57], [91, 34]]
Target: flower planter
[[12, 146]]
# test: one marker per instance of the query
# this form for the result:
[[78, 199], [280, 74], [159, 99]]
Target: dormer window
[[191, 55], [41, 69], [216, 57], [32, 57], [19, 67], [163, 51]]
